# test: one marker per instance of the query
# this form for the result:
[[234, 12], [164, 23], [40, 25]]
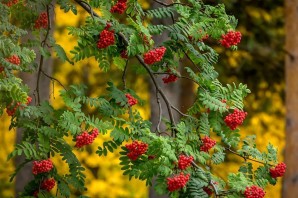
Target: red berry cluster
[[43, 166], [119, 7], [14, 59], [48, 184], [208, 190], [184, 161], [131, 100], [85, 138], [42, 21], [124, 54], [169, 78], [208, 143], [231, 38], [106, 38], [235, 119], [12, 107], [11, 2], [278, 171], [177, 182], [29, 99], [254, 192], [154, 55], [136, 149]]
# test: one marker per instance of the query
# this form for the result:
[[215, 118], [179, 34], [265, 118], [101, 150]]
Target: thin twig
[[246, 158], [41, 61], [191, 60], [172, 4], [87, 7], [124, 75], [178, 111], [160, 111], [55, 79]]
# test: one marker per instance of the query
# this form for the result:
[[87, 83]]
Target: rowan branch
[[246, 158], [52, 78], [141, 60], [171, 4], [41, 60]]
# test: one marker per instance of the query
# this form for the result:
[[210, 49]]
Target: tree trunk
[[290, 185], [25, 174], [171, 90]]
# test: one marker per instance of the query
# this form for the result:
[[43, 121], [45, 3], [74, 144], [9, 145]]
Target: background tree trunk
[[25, 174], [290, 185], [179, 93]]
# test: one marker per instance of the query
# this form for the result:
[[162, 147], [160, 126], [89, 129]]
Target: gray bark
[[25, 174], [172, 91]]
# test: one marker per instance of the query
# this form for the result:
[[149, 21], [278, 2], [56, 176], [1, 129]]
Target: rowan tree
[[117, 34]]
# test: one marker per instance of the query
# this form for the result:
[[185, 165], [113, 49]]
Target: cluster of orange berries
[[208, 143], [184, 161], [169, 78], [43, 166], [119, 7], [42, 21], [235, 119], [154, 55], [106, 38], [11, 2], [231, 38], [136, 149], [177, 182], [12, 107], [85, 138], [131, 100]]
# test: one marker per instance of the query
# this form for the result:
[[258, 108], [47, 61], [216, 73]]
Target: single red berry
[[136, 149], [230, 39], [235, 119], [151, 157], [124, 54], [254, 192], [184, 161], [154, 55], [1, 69], [48, 184], [85, 138], [131, 100], [11, 2], [208, 143], [43, 166], [177, 182], [106, 38], [42, 21], [169, 78], [278, 171], [119, 7]]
